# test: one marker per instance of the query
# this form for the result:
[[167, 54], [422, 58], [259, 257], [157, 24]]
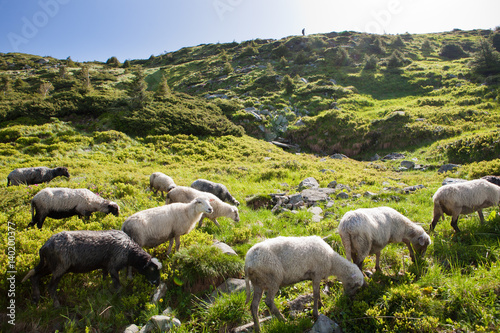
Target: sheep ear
[[157, 263], [211, 200]]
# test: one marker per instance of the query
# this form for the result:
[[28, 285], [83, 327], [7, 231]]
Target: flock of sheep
[[269, 265]]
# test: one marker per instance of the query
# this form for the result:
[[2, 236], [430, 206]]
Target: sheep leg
[[201, 220], [454, 222], [254, 307], [115, 277], [410, 249], [271, 292], [53, 287], [377, 262], [435, 220], [129, 275], [177, 242], [316, 297], [481, 216]]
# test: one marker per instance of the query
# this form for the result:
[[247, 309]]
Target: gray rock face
[[447, 167], [308, 183]]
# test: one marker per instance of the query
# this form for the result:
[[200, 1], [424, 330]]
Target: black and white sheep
[[59, 203], [159, 181], [154, 226], [84, 251], [367, 231], [283, 261], [220, 208], [217, 189], [464, 198], [35, 175]]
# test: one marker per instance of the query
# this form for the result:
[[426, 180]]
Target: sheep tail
[[247, 287], [30, 274]]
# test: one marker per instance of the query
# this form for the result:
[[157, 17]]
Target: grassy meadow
[[186, 114]]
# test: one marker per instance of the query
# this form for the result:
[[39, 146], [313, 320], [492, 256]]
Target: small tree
[[396, 59], [70, 62], [62, 72], [495, 40], [398, 42], [113, 62], [163, 90], [371, 62], [84, 76], [426, 47], [288, 84], [5, 84], [452, 51], [126, 64], [486, 60], [45, 88], [228, 68], [137, 90]]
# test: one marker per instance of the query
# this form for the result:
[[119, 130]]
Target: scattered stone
[[325, 325], [413, 188], [330, 204], [226, 249], [332, 184], [448, 167], [393, 156], [285, 145], [230, 286], [159, 293], [375, 157], [308, 183], [408, 164], [369, 194], [448, 180], [313, 196], [326, 170], [342, 195], [131, 329], [338, 156], [160, 322], [249, 327], [299, 304]]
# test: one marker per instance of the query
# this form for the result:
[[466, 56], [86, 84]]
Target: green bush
[[452, 51]]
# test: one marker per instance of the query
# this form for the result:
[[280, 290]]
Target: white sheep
[[220, 208], [35, 175], [61, 202], [159, 181], [464, 198], [154, 226], [367, 231], [283, 261]]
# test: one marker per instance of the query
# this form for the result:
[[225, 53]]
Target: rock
[[295, 199], [308, 183], [160, 322], [330, 204], [159, 293], [315, 210], [375, 157], [338, 156], [131, 329], [413, 188], [249, 327], [447, 167], [312, 196], [332, 184], [299, 304], [369, 194], [408, 164], [448, 180], [326, 170], [325, 325], [226, 249], [285, 145], [393, 156], [343, 195], [230, 286]]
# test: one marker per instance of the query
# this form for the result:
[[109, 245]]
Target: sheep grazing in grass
[[283, 261], [36, 175], [367, 231], [220, 208], [464, 198], [154, 226], [217, 189], [84, 251], [59, 203], [159, 181]]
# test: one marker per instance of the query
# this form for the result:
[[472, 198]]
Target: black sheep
[[85, 251], [217, 189], [36, 175]]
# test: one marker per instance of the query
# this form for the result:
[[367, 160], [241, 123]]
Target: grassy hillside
[[183, 114]]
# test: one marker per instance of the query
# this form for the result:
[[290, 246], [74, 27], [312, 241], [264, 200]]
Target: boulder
[[448, 180], [161, 323], [226, 249], [325, 325], [393, 156], [448, 167], [312, 196], [131, 329], [308, 183], [408, 164]]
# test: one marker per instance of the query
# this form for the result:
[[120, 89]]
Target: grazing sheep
[[283, 261], [59, 203], [159, 181], [36, 175], [154, 226], [464, 198], [367, 231], [84, 251], [216, 189], [220, 208], [492, 179]]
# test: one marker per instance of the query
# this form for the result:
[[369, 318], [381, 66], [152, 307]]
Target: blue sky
[[90, 30]]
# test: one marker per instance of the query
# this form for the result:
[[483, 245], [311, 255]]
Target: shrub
[[452, 51], [486, 60], [113, 62], [288, 84], [371, 62]]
